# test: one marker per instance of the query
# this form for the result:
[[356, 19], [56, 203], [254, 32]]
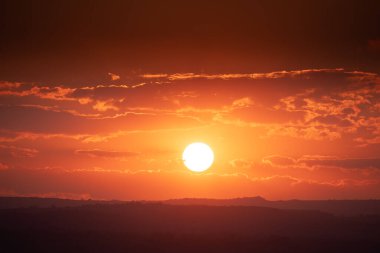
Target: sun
[[198, 157]]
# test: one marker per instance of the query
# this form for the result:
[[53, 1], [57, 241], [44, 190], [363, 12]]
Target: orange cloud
[[271, 75], [45, 92], [9, 85], [114, 77], [241, 163], [103, 106], [279, 160]]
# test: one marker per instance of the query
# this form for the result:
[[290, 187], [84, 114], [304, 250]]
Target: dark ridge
[[337, 207]]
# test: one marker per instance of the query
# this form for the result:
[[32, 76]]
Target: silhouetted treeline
[[137, 227]]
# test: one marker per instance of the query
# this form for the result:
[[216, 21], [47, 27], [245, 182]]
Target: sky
[[98, 99]]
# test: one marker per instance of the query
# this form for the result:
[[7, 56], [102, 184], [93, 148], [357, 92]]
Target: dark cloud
[[17, 152], [106, 153], [348, 163], [19, 118], [333, 120], [310, 162]]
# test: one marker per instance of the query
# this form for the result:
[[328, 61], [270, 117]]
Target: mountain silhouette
[[337, 207]]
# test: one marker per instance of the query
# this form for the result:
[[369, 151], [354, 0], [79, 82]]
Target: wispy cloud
[[98, 153], [271, 75], [15, 151], [103, 106], [310, 162]]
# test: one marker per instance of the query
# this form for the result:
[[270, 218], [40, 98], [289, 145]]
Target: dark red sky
[[99, 98], [79, 41]]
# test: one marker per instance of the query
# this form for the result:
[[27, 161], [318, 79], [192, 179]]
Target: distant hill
[[337, 207], [247, 201], [27, 202]]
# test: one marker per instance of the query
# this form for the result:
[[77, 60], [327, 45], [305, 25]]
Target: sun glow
[[198, 157]]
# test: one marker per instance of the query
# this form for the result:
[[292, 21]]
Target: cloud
[[148, 76], [310, 162], [364, 142], [8, 136], [270, 75], [60, 110], [129, 184], [18, 151], [97, 153], [84, 95], [22, 119], [103, 106], [242, 102], [346, 163], [241, 163], [44, 92], [9, 85], [301, 131], [311, 104], [279, 160], [114, 77]]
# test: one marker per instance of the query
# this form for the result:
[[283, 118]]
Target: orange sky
[[290, 134], [99, 100]]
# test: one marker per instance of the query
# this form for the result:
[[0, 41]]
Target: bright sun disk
[[198, 157]]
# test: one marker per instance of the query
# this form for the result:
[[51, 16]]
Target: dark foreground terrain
[[154, 227]]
